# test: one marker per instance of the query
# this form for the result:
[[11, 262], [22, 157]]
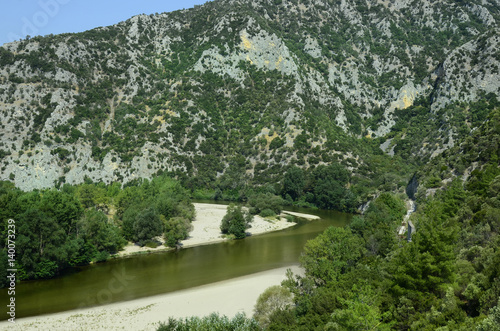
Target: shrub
[[262, 201], [147, 225], [211, 322], [176, 229], [267, 213], [236, 221], [274, 298]]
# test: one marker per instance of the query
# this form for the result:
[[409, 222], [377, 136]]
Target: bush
[[211, 322], [147, 225], [273, 299], [176, 229], [262, 201], [101, 257], [151, 244], [236, 221], [433, 182], [267, 213]]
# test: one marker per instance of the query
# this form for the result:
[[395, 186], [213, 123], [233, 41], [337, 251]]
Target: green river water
[[146, 275]]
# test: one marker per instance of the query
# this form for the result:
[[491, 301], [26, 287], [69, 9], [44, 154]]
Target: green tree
[[380, 222], [236, 221], [492, 321], [176, 229], [128, 221], [147, 225], [275, 299], [90, 195], [423, 269], [42, 248], [63, 207], [331, 254], [263, 201], [360, 312], [95, 228], [329, 187], [293, 183]]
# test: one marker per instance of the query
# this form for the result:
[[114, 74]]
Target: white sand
[[226, 297], [206, 228], [302, 215]]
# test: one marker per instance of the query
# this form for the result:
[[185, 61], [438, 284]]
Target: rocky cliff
[[238, 86]]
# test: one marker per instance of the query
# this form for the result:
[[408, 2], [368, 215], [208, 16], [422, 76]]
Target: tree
[[492, 322], [147, 225], [41, 245], [263, 201], [360, 312], [236, 221], [293, 183], [331, 254], [176, 229], [95, 228], [128, 221], [328, 194], [380, 222], [329, 188], [62, 207], [90, 195], [423, 269], [274, 299]]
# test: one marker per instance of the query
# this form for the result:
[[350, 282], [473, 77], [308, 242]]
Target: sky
[[20, 18]]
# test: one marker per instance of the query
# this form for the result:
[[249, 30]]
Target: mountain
[[237, 90]]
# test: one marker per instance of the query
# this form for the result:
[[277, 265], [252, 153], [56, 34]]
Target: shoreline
[[206, 229], [239, 295]]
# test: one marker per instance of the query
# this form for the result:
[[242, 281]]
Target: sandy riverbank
[[227, 298], [206, 228]]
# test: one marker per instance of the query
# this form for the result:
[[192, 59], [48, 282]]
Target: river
[[146, 275]]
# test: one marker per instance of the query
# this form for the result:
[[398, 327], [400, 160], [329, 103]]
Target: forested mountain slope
[[326, 103], [363, 277], [235, 91]]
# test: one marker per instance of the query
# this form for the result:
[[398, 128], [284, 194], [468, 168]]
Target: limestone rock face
[[470, 70], [190, 92]]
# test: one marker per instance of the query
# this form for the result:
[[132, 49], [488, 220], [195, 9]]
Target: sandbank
[[206, 228], [301, 215], [226, 298]]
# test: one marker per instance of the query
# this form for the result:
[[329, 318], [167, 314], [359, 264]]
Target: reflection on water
[[146, 275]]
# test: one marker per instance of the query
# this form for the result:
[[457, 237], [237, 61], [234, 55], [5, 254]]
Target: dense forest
[[360, 277], [365, 277], [107, 136], [75, 225], [78, 225]]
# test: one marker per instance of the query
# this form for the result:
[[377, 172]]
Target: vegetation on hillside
[[77, 225], [246, 89], [268, 103], [364, 277]]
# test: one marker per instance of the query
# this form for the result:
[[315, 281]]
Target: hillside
[[235, 91], [351, 105]]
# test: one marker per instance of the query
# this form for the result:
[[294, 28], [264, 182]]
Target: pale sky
[[19, 18]]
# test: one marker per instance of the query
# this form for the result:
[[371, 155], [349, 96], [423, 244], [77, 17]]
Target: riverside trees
[[76, 225], [236, 221]]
